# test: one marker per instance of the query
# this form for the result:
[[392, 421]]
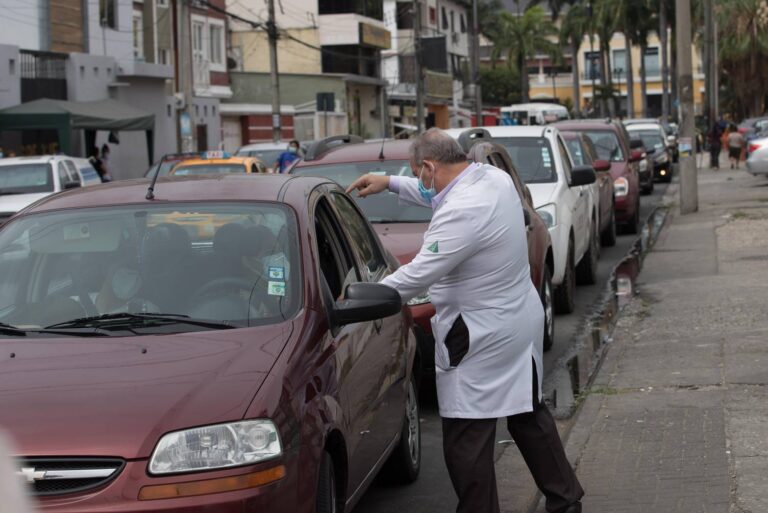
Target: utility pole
[[689, 195], [476, 65], [417, 65], [186, 121], [664, 61], [709, 64], [274, 78]]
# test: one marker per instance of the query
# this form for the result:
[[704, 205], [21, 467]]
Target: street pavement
[[433, 492], [675, 418]]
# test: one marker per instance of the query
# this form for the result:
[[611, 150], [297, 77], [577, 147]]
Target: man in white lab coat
[[489, 321]]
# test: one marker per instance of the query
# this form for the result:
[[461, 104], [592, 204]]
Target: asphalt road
[[433, 492]]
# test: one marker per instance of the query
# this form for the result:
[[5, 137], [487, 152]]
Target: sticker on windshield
[[545, 157], [77, 231], [276, 273], [276, 288]]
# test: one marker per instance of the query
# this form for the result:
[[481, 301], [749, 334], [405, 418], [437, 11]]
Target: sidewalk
[[676, 420]]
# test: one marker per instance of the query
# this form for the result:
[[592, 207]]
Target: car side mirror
[[636, 156], [71, 185], [601, 165], [366, 302], [582, 175]]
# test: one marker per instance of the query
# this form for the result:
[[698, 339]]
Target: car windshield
[[606, 144], [208, 169], [25, 178], [378, 208], [234, 264], [651, 138], [576, 151], [532, 157], [268, 157]]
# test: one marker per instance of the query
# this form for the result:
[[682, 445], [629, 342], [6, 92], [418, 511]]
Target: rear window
[[532, 157], [651, 138], [25, 178], [209, 169], [606, 144], [576, 151]]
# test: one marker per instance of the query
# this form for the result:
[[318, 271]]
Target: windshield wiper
[[11, 330], [132, 319]]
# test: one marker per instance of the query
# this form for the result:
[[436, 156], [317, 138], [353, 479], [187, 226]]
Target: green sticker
[[433, 247], [276, 288]]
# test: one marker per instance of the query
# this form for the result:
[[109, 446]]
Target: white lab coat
[[479, 271]]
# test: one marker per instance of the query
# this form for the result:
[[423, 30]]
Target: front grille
[[58, 476]]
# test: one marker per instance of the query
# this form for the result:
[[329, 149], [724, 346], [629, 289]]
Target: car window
[[565, 159], [61, 170], [235, 263], [652, 139], [378, 208], [577, 151], [607, 144], [335, 260], [363, 241], [74, 175], [25, 178], [532, 158], [589, 149]]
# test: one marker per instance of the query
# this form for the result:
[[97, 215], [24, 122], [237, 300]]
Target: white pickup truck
[[566, 198]]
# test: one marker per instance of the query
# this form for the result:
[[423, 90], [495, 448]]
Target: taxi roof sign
[[215, 154]]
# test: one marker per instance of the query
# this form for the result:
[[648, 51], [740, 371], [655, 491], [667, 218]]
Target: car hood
[[15, 202], [117, 396], [404, 240], [542, 193]]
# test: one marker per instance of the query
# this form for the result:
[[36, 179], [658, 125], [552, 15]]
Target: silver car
[[757, 163]]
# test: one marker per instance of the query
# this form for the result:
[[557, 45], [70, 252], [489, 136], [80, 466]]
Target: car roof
[[361, 152], [641, 121], [36, 159], [239, 159], [505, 131], [585, 124], [207, 188], [265, 146], [643, 126]]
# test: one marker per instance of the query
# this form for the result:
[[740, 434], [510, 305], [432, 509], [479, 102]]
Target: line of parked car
[[223, 343]]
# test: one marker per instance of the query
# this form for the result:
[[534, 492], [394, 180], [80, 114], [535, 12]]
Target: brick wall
[[258, 128]]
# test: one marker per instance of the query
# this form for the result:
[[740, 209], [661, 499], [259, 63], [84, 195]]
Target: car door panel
[[575, 200]]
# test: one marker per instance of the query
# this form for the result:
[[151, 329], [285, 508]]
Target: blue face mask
[[426, 194], [293, 149]]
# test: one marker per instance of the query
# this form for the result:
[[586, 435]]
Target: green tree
[[520, 37], [575, 25], [500, 86]]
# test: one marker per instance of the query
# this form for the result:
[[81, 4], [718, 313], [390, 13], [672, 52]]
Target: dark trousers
[[468, 448], [714, 157]]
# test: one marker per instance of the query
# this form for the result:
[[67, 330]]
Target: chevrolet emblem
[[31, 475]]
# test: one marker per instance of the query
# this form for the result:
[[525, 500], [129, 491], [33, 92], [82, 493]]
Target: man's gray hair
[[436, 145]]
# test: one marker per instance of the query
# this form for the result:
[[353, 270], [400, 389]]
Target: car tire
[[586, 271], [326, 500], [547, 301], [404, 463], [608, 237], [564, 300]]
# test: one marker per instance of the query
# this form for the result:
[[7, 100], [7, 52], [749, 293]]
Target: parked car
[[267, 152], [24, 180], [217, 162], [757, 163], [751, 126], [160, 369], [611, 141], [402, 227], [655, 142], [645, 165], [583, 153], [560, 193], [163, 166]]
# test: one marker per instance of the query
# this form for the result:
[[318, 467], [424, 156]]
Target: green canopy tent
[[65, 116]]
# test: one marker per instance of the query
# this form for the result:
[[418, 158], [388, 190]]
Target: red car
[[612, 144], [402, 227], [189, 353]]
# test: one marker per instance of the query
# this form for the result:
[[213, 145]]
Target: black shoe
[[573, 508]]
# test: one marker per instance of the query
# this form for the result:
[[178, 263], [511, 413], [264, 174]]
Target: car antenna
[[381, 151], [151, 190]]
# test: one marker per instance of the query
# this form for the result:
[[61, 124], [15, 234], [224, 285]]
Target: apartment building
[[444, 30], [325, 46]]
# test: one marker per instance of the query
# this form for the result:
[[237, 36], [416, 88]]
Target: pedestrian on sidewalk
[[489, 322], [713, 140], [735, 144]]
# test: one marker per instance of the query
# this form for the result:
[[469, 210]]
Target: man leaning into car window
[[489, 321]]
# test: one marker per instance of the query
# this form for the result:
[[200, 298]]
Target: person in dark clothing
[[713, 140], [287, 157], [97, 164]]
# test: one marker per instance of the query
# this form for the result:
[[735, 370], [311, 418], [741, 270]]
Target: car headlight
[[548, 214], [215, 447], [421, 299], [662, 159], [620, 187]]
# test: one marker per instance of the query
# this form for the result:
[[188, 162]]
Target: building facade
[[325, 46]]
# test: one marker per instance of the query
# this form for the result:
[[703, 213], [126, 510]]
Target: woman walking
[[735, 144]]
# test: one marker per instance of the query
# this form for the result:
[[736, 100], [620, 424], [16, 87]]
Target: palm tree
[[743, 40], [575, 25], [520, 37], [606, 22]]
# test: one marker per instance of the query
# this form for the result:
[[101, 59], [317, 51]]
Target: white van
[[24, 180], [533, 114]]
